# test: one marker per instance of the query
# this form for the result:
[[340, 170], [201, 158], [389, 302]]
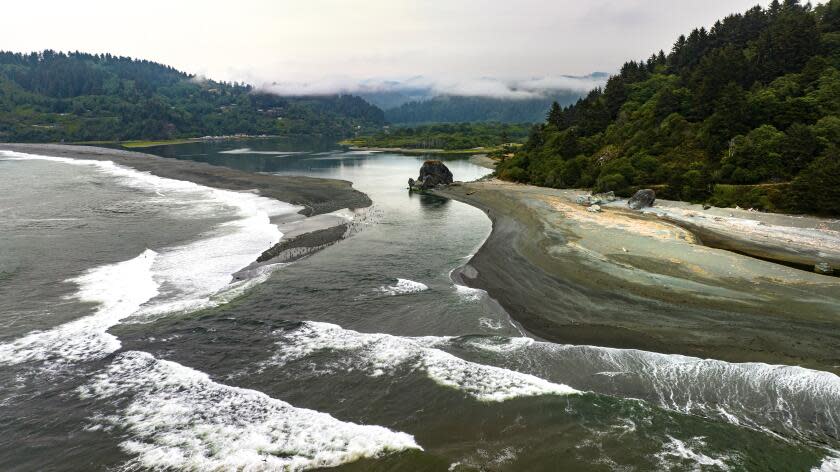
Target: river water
[[124, 346]]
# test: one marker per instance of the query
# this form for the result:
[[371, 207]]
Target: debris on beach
[[596, 198], [823, 268]]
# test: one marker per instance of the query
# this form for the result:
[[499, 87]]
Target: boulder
[[642, 199], [432, 174], [594, 208]]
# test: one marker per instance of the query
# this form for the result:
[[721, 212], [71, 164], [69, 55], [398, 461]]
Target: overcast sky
[[327, 44]]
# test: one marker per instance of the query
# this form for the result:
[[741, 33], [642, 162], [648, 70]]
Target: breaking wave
[[175, 279], [179, 419], [403, 287], [378, 354]]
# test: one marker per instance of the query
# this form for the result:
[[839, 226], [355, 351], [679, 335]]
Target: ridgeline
[[746, 113], [52, 96]]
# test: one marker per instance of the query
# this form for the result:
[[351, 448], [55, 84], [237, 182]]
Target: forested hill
[[52, 96], [464, 109], [746, 112]]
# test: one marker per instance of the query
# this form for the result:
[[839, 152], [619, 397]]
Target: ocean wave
[[380, 354], [182, 278], [403, 287], [490, 323], [794, 401], [119, 289], [677, 455], [828, 464], [177, 418], [469, 294]]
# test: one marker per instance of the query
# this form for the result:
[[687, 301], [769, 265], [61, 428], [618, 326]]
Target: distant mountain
[[463, 109], [388, 99], [419, 100], [52, 96]]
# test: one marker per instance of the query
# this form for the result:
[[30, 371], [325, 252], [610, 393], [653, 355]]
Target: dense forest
[[464, 109], [447, 136], [746, 112], [53, 96]]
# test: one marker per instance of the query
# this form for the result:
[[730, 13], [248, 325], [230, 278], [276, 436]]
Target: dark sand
[[317, 196], [629, 280]]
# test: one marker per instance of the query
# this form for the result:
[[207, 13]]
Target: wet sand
[[318, 197], [626, 279], [484, 160]]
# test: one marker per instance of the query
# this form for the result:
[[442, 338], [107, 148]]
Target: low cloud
[[424, 87]]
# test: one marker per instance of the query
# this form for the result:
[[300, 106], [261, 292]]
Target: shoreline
[[146, 143], [311, 229], [627, 279], [421, 152]]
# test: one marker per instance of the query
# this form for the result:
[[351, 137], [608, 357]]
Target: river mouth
[[376, 332]]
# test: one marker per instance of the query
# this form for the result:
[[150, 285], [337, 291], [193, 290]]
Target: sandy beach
[[627, 279]]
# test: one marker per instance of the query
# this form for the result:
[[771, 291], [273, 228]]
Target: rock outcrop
[[642, 199], [432, 174]]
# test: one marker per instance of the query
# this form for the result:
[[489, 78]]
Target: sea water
[[120, 348]]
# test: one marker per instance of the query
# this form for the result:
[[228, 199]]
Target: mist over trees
[[447, 136], [467, 109], [53, 96], [747, 112]]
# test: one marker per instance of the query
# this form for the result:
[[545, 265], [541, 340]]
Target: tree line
[[447, 136], [746, 112], [465, 109], [53, 96]]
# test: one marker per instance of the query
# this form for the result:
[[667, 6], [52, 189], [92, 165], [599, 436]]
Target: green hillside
[[53, 96], [747, 112], [464, 109]]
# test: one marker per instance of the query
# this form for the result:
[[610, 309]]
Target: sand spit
[[627, 279]]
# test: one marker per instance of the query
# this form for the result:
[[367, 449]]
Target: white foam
[[468, 293], [828, 464], [490, 323], [267, 153], [771, 398], [179, 419], [403, 287], [683, 452], [198, 197], [380, 354], [183, 278], [190, 275], [119, 289]]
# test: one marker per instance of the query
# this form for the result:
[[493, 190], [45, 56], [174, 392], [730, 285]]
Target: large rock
[[642, 199], [432, 174]]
